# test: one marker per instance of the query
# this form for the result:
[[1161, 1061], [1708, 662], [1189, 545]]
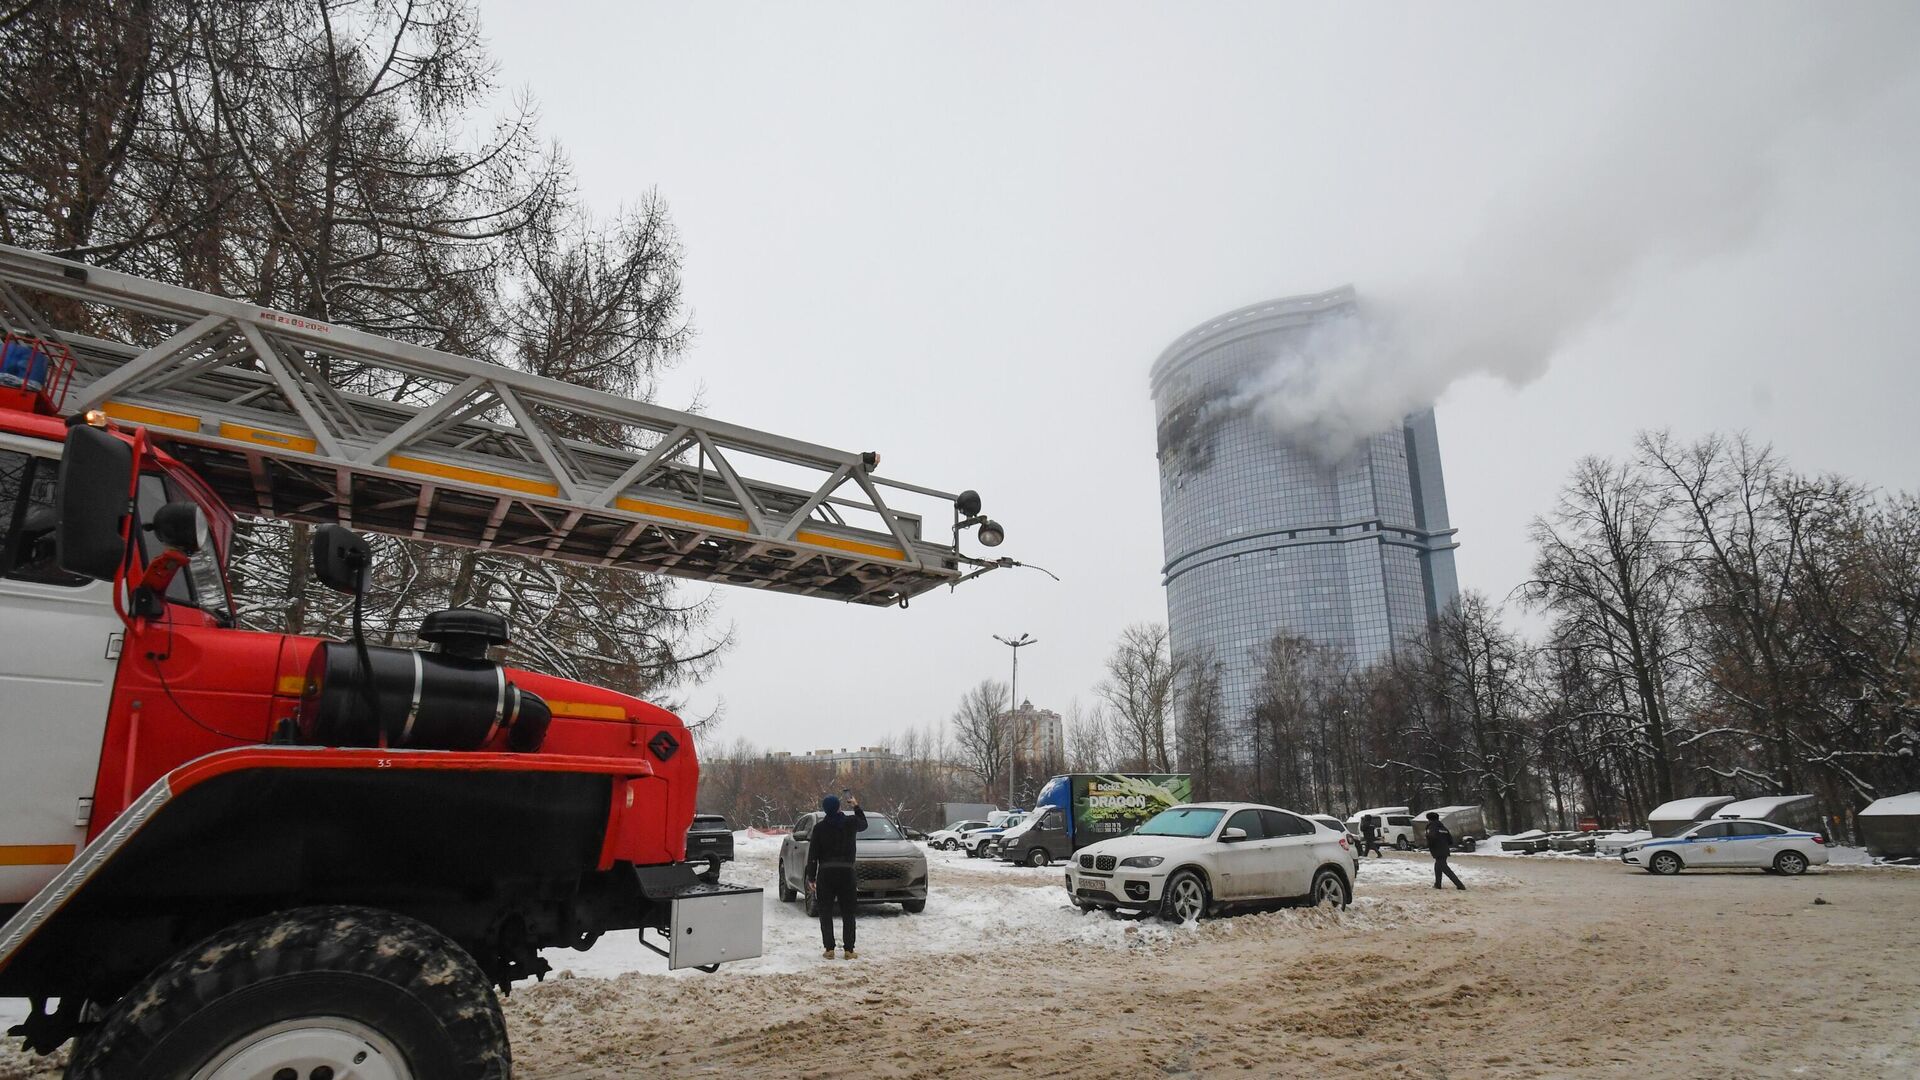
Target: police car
[[1744, 844]]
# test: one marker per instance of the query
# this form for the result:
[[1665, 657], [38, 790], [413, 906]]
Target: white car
[[978, 843], [1754, 845], [1395, 823], [1196, 857], [948, 839]]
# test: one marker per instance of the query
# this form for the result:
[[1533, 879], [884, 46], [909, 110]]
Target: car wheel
[[787, 894], [914, 907], [1038, 857], [1664, 863], [1400, 844], [949, 844], [1790, 863], [1330, 888], [1185, 898], [321, 991]]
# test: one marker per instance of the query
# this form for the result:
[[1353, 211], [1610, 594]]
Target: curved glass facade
[[1262, 536]]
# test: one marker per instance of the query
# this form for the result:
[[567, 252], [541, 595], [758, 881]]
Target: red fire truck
[[228, 854]]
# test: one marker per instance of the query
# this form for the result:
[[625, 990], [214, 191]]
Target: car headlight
[[1144, 862]]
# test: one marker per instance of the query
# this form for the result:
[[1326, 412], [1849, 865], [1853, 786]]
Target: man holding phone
[[831, 852]]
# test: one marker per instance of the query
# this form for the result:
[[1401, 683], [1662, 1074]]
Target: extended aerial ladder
[[291, 418]]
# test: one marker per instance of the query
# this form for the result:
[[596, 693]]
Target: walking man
[[1370, 835], [1440, 845], [830, 855]]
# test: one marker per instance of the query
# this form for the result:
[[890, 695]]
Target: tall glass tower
[[1264, 536]]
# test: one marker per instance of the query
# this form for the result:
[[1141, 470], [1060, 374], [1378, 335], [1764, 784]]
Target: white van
[[1396, 825]]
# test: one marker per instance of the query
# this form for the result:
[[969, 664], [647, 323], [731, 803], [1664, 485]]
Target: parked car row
[[1190, 859]]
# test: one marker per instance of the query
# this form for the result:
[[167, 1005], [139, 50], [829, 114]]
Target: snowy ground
[[1551, 965], [974, 903]]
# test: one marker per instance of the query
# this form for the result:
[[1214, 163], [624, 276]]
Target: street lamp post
[[1013, 692]]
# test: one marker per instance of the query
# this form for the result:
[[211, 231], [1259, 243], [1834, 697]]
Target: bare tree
[[1092, 739], [1611, 572], [1203, 735], [1142, 685], [980, 734], [332, 158]]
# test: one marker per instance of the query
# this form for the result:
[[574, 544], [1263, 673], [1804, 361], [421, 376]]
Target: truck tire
[[320, 991], [1038, 857]]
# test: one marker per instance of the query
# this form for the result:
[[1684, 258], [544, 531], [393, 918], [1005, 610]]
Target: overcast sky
[[959, 234]]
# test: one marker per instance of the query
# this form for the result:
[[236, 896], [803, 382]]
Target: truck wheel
[[1400, 844], [913, 907], [1038, 857], [322, 991]]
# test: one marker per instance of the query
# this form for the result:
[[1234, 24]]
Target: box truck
[[1078, 809]]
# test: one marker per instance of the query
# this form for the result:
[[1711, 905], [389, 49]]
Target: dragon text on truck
[[1078, 809]]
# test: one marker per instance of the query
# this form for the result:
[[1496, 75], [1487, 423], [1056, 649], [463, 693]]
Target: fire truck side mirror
[[340, 557], [181, 526], [96, 473]]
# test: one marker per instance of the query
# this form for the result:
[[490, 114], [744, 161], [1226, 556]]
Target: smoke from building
[[1690, 169]]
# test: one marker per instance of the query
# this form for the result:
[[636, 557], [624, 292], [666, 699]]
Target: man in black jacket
[[830, 855], [1440, 844], [1370, 835]]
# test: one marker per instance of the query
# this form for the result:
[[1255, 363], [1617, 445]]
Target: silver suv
[[888, 868]]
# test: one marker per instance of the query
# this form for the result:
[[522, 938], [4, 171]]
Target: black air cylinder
[[417, 700]]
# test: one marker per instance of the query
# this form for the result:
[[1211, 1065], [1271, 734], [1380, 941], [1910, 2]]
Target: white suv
[[1194, 858], [948, 839]]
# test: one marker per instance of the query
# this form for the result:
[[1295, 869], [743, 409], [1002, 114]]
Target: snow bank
[[1689, 809], [1894, 806], [979, 904], [1840, 855], [975, 904], [1762, 807]]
